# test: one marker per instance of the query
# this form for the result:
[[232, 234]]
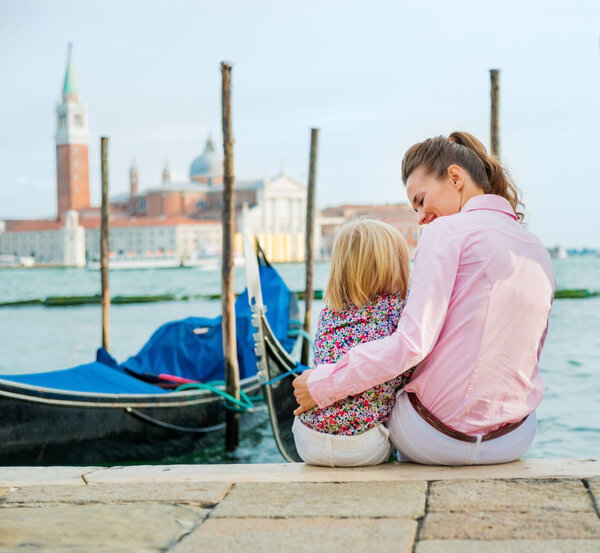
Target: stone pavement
[[529, 506]]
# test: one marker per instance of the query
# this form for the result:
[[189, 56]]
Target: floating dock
[[530, 506]]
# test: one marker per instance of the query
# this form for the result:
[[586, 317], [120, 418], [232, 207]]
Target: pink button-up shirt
[[474, 323]]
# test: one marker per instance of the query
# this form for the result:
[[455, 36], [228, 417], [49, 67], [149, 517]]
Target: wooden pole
[[104, 245], [495, 112], [232, 372], [310, 242]]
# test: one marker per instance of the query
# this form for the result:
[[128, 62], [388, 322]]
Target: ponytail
[[498, 177], [463, 149]]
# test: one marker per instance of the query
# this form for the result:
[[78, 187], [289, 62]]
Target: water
[[37, 339]]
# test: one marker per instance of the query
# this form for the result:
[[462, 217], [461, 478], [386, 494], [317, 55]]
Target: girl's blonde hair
[[369, 258]]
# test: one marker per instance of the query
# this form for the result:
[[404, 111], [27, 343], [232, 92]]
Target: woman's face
[[431, 196]]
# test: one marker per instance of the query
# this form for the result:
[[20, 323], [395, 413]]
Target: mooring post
[[232, 371], [495, 112], [310, 242], [104, 244]]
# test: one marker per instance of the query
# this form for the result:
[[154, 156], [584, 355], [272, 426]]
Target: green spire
[[70, 89]]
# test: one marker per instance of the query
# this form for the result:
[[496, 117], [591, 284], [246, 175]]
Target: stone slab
[[300, 535], [508, 546], [34, 476], [336, 500], [145, 527], [505, 526], [299, 472], [568, 494], [203, 494]]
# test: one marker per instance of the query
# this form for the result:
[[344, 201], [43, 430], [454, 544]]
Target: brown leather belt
[[445, 429]]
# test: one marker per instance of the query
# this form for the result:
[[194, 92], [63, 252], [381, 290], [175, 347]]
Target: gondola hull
[[276, 367], [106, 412], [52, 427]]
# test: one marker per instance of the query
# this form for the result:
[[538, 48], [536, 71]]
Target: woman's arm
[[369, 364]]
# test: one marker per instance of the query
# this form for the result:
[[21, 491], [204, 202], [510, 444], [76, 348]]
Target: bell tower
[[72, 139]]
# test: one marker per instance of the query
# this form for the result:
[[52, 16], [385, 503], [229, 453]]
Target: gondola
[[276, 367], [105, 412]]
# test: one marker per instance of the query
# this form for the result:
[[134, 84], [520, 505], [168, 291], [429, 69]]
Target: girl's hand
[[303, 397]]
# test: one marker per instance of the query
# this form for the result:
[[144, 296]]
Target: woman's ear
[[457, 177]]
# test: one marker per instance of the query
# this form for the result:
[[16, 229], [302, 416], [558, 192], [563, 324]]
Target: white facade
[[64, 246], [73, 241], [146, 241], [279, 219]]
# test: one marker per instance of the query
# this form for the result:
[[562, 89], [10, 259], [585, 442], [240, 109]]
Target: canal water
[[36, 338]]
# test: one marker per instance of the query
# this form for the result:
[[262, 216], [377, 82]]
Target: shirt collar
[[490, 202]]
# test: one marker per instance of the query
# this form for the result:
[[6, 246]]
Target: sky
[[374, 76]]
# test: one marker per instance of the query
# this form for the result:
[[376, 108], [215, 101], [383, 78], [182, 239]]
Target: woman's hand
[[303, 397]]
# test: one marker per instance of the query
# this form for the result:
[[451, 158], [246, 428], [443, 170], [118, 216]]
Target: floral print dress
[[337, 332]]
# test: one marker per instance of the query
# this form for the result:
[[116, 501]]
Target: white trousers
[[416, 440], [368, 448]]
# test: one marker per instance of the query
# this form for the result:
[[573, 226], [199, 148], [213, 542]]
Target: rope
[[169, 426], [245, 403], [233, 404], [303, 333], [296, 370]]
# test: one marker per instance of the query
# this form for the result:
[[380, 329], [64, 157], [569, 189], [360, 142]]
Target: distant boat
[[207, 263], [14, 261], [119, 263], [203, 262], [558, 252]]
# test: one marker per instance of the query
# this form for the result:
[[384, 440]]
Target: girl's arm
[[369, 364], [318, 351]]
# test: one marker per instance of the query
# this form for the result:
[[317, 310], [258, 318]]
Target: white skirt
[[329, 450], [416, 440]]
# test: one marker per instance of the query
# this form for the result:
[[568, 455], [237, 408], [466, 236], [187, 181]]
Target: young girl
[[364, 299]]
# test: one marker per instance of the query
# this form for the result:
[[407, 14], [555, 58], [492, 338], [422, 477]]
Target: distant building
[[172, 221], [177, 239], [72, 139], [401, 216], [208, 167], [273, 210], [49, 242]]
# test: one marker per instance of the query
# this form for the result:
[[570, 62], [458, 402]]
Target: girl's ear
[[457, 177]]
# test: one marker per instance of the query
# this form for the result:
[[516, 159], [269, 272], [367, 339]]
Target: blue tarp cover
[[92, 377], [176, 349]]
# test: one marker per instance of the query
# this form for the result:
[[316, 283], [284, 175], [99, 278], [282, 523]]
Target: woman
[[474, 323]]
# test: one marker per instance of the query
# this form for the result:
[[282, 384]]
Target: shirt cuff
[[319, 385]]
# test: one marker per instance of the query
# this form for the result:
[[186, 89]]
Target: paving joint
[[184, 535], [229, 490], [586, 484], [421, 519], [200, 523]]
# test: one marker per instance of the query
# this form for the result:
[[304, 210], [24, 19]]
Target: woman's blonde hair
[[369, 258]]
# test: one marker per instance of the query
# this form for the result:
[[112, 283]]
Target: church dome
[[208, 165]]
